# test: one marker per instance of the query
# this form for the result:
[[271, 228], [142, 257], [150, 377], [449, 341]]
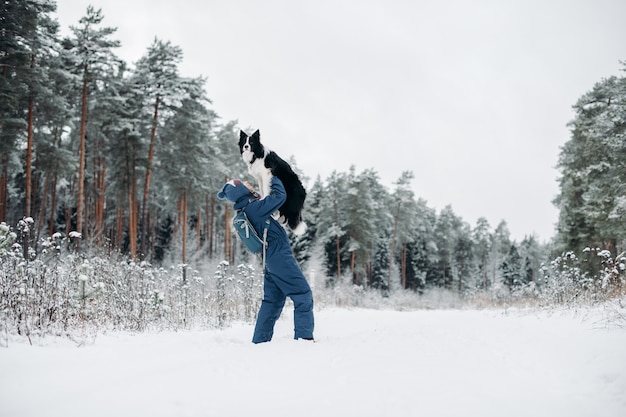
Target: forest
[[108, 175]]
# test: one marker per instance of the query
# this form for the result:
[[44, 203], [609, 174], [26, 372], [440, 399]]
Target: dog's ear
[[257, 135], [242, 135]]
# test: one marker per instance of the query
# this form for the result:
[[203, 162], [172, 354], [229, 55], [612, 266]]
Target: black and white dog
[[263, 164]]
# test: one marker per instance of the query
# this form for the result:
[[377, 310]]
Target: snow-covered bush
[[567, 280], [60, 291], [54, 289]]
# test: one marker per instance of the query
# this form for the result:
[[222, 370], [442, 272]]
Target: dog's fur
[[263, 164]]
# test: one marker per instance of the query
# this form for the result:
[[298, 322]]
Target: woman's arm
[[265, 207]]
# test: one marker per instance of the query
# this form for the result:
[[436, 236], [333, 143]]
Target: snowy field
[[365, 363]]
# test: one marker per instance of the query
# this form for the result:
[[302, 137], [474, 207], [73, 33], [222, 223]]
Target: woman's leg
[[303, 315], [287, 275], [271, 307]]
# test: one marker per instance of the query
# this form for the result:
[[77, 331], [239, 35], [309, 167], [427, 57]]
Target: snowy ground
[[365, 363]]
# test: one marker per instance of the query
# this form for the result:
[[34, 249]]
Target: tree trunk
[[213, 225], [132, 215], [199, 230], [29, 145], [119, 227], [153, 229], [146, 185], [42, 206], [131, 196], [183, 219], [337, 243], [227, 237], [81, 156], [210, 223], [34, 191], [443, 274], [403, 266], [29, 156], [179, 209], [368, 276], [355, 278], [393, 245], [68, 210], [53, 204], [100, 195], [4, 175], [131, 205]]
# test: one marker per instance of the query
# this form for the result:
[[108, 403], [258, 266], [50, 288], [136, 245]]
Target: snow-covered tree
[[464, 259], [512, 268], [500, 245], [592, 198], [185, 154], [421, 248], [532, 256], [482, 249], [362, 211], [332, 225], [380, 265], [157, 71], [446, 234], [28, 39], [95, 61], [403, 209]]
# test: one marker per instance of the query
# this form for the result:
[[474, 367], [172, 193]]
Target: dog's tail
[[300, 229]]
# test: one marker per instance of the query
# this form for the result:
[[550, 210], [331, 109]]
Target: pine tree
[[511, 268], [532, 254], [592, 199], [500, 244], [54, 157], [403, 211], [464, 259], [106, 122], [380, 265], [446, 233], [184, 157], [157, 71], [38, 32], [361, 211], [482, 249], [332, 225], [126, 150], [228, 165], [26, 31], [93, 47], [421, 249]]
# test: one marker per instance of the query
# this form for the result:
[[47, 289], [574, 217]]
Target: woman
[[282, 276]]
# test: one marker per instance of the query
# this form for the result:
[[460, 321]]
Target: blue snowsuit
[[282, 275]]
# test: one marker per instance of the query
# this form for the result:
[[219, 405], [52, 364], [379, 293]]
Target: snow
[[365, 363]]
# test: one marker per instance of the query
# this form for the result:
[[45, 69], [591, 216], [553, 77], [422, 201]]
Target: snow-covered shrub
[[55, 288], [568, 280], [250, 291], [7, 238], [62, 291]]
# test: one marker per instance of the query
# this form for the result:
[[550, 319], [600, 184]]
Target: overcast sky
[[472, 96]]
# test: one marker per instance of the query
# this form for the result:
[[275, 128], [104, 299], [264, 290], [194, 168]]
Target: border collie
[[263, 164]]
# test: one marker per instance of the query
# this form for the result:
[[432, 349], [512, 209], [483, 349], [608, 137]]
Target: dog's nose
[[246, 147]]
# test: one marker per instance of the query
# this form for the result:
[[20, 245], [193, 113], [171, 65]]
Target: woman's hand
[[249, 187]]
